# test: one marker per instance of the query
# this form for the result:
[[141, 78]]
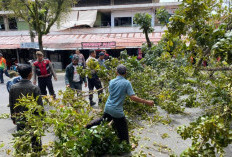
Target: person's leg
[[120, 125], [42, 85], [36, 143], [1, 75], [50, 86], [98, 121], [91, 86], [98, 86], [6, 73]]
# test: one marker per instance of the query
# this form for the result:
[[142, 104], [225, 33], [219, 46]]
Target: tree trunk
[[40, 42], [148, 40]]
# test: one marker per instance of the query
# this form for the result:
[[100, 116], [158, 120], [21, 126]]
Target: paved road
[[6, 125], [151, 142]]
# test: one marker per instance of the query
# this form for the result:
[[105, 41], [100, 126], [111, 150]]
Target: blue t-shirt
[[118, 89]]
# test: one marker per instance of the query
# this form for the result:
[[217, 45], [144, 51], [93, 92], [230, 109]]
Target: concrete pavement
[[151, 141]]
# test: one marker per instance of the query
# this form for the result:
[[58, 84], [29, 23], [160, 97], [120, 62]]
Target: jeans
[[1, 75], [76, 85], [44, 82], [119, 124]]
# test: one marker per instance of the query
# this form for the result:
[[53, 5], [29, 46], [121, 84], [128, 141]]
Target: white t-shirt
[[76, 76]]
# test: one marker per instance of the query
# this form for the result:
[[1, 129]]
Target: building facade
[[106, 21]]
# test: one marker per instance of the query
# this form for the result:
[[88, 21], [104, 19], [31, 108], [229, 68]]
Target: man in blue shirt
[[118, 89]]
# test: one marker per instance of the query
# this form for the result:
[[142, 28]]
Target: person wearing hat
[[72, 78], [43, 69], [3, 68], [81, 58], [101, 59], [118, 89]]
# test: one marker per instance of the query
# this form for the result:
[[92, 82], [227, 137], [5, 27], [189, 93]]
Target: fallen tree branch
[[216, 69]]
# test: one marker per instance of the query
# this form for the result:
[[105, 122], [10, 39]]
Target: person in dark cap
[[44, 70], [72, 78], [101, 59], [23, 88], [118, 89], [3, 68]]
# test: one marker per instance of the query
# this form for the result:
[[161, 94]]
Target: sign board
[[29, 45], [98, 45]]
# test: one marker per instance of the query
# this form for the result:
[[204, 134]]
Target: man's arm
[[140, 100], [66, 77], [34, 74], [11, 103], [52, 71], [37, 95], [83, 60]]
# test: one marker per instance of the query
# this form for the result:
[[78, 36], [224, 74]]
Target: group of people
[[42, 68]]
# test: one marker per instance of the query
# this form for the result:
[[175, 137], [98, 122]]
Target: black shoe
[[92, 103]]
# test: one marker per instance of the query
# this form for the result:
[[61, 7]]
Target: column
[[6, 23]]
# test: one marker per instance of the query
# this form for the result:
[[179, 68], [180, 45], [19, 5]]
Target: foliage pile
[[67, 120]]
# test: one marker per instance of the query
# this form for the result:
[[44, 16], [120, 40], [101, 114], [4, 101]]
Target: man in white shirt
[[72, 78]]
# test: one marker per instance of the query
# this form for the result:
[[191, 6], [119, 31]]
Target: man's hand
[[85, 84], [55, 78], [67, 85], [150, 102], [34, 82]]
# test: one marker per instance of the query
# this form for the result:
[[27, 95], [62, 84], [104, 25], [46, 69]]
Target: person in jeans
[[118, 89], [72, 78], [22, 88], [44, 70], [94, 81], [15, 78], [3, 68]]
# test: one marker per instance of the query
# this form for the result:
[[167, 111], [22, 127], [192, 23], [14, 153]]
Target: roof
[[65, 42]]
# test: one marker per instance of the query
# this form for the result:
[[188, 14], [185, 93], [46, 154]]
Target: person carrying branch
[[118, 89]]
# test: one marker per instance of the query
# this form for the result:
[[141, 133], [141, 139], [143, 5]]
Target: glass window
[[122, 2], [123, 21]]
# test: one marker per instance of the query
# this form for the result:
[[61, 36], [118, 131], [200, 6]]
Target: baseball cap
[[101, 54]]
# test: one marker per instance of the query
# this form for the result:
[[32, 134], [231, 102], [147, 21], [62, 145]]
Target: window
[[88, 3], [122, 2], [123, 21]]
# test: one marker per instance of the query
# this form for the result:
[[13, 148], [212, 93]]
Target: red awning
[[65, 42]]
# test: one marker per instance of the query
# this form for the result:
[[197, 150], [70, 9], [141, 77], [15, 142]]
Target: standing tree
[[163, 16], [144, 21], [40, 14], [203, 23]]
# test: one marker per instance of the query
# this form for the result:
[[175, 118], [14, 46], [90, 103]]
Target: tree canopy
[[39, 14]]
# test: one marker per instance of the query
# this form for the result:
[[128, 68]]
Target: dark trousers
[[35, 141], [44, 82], [1, 75], [119, 124], [76, 85], [94, 82]]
